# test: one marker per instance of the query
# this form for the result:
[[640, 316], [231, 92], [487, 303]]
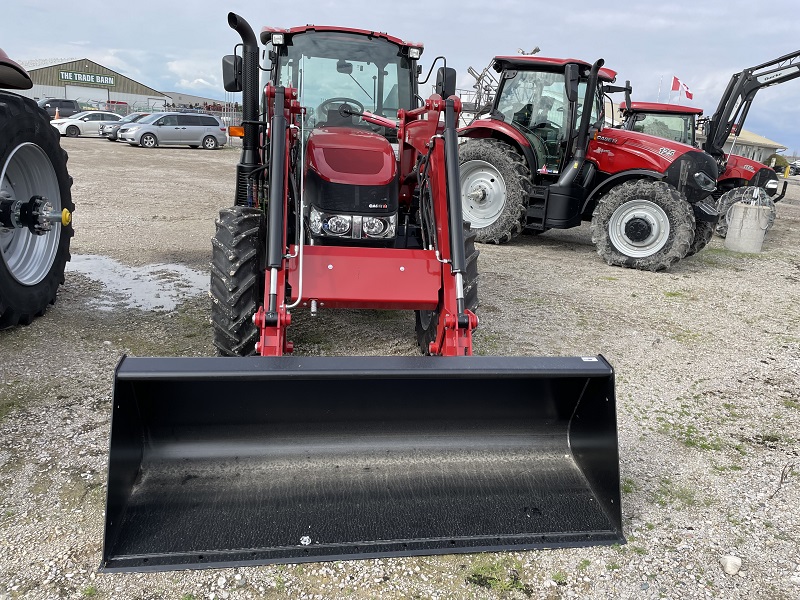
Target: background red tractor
[[736, 172], [35, 203], [540, 159]]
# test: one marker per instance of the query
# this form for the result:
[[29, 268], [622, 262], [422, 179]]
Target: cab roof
[[542, 63], [266, 33], [658, 107]]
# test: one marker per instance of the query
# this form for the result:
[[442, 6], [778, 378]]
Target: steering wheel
[[325, 106]]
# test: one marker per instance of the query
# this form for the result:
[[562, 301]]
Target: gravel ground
[[707, 360]]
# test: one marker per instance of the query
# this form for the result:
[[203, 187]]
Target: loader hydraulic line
[[458, 260]]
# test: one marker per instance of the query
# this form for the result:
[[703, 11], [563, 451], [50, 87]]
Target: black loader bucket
[[223, 462]]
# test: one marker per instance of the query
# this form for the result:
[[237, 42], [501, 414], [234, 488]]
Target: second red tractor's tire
[[237, 282], [495, 182], [427, 321], [654, 207], [748, 195], [703, 232]]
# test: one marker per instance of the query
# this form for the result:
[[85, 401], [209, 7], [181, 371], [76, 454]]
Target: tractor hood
[[351, 156], [686, 168]]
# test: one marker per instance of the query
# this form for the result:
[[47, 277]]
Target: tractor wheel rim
[[28, 172], [483, 193], [638, 215]]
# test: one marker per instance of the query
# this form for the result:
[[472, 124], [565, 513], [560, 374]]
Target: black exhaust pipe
[[250, 159]]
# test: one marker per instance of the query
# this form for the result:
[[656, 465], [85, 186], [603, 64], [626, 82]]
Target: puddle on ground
[[151, 287]]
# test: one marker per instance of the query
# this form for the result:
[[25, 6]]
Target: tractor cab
[[350, 173], [543, 98], [669, 121]]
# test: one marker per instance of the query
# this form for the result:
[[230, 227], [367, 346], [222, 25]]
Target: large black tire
[[427, 321], [633, 209], [748, 195], [495, 183], [703, 232], [32, 163], [237, 281]]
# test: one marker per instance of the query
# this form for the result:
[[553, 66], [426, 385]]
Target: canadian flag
[[678, 86]]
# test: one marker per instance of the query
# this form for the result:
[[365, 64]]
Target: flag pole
[[660, 81]]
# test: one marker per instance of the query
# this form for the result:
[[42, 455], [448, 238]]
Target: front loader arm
[[735, 102]]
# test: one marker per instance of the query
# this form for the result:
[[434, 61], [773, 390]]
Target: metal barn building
[[90, 83]]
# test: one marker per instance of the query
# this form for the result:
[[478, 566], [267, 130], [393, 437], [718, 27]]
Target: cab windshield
[[536, 102], [679, 128], [332, 68]]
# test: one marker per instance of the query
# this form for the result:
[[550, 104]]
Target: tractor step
[[223, 462]]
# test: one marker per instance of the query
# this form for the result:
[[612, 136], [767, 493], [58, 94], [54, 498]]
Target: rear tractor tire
[[495, 182], [749, 195], [643, 224], [32, 163], [237, 282], [427, 321]]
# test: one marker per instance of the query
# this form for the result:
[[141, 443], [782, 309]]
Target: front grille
[[345, 198]]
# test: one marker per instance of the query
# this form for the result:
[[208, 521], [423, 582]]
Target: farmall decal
[[666, 152], [750, 168]]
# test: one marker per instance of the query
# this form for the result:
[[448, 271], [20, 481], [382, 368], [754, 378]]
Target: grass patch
[[649, 526], [691, 437], [791, 404], [686, 337], [613, 566], [90, 591], [670, 493], [494, 576], [584, 564], [560, 578], [674, 295], [607, 278], [638, 550], [628, 485]]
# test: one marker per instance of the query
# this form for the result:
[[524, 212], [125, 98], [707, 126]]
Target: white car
[[83, 123]]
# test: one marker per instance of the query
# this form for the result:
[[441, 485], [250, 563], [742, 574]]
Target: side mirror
[[232, 73], [572, 78], [342, 66], [446, 82]]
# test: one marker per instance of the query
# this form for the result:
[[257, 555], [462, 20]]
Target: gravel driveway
[[707, 360]]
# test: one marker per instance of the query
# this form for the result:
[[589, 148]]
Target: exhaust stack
[[249, 160]]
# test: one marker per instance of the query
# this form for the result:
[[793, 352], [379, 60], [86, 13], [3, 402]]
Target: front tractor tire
[[643, 224], [237, 281], [32, 163], [495, 182], [427, 321], [749, 195]]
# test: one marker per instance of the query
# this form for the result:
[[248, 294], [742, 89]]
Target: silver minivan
[[176, 129]]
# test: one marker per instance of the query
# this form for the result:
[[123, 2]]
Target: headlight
[[705, 182], [373, 225], [338, 224], [414, 53], [277, 39], [315, 221], [351, 226], [132, 129], [772, 184]]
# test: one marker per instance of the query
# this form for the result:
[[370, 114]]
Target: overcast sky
[[177, 46]]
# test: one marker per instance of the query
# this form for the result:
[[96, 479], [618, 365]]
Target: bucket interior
[[286, 460]]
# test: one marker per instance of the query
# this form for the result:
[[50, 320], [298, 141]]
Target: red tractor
[[35, 203], [737, 173], [541, 159], [347, 196]]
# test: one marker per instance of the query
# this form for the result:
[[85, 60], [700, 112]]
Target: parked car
[[83, 123], [109, 129], [66, 108], [174, 128]]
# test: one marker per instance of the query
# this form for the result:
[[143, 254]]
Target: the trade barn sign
[[86, 78]]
